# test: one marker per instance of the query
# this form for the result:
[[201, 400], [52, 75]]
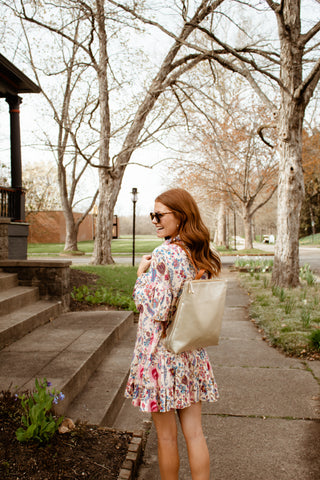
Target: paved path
[[266, 425]]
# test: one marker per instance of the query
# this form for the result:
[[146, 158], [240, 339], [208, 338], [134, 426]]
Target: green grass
[[143, 244], [114, 286], [123, 246], [311, 240], [289, 317]]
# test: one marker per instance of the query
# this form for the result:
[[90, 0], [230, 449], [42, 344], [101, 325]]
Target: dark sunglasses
[[158, 216]]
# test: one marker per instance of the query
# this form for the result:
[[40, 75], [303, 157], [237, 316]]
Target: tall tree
[[98, 18], [289, 63]]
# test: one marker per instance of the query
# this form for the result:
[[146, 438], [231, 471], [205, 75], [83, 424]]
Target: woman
[[160, 381]]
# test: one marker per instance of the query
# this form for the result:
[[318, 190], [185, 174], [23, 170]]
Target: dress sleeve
[[153, 290]]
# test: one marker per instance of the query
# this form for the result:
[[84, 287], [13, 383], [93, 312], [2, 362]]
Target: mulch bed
[[87, 452]]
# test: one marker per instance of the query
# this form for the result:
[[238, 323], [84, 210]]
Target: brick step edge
[[131, 463]]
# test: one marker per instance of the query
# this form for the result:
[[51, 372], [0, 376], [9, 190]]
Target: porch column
[[16, 169], [18, 201]]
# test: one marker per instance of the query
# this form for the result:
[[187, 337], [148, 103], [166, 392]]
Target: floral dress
[[159, 380]]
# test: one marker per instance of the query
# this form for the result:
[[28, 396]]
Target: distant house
[[13, 229]]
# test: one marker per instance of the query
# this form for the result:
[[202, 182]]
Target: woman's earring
[[178, 226]]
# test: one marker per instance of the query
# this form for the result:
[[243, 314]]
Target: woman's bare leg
[[168, 455], [190, 419]]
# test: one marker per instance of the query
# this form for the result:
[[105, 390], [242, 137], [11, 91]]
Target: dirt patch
[[88, 452]]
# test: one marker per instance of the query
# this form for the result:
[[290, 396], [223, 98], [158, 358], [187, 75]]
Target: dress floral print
[[160, 380]]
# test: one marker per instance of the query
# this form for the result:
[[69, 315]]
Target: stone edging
[[132, 461]]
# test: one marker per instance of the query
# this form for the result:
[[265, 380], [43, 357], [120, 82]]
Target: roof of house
[[13, 81]]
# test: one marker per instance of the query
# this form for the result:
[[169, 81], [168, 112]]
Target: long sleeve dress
[[159, 380]]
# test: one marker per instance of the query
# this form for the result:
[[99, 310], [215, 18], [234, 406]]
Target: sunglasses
[[158, 216]]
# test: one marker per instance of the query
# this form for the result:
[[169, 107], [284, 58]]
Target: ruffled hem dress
[[159, 380]]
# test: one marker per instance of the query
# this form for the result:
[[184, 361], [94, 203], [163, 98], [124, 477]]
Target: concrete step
[[16, 324], [66, 351], [130, 418], [17, 297], [8, 280], [103, 396]]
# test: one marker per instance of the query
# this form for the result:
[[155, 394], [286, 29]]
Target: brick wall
[[49, 227]]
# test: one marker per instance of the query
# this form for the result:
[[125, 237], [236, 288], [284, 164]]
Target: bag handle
[[199, 272]]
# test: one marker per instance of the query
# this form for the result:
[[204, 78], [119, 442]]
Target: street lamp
[[134, 198]]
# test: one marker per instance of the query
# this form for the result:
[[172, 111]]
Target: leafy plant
[[315, 339], [103, 295], [38, 422]]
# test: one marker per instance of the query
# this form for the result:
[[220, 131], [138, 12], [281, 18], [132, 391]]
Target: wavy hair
[[192, 231]]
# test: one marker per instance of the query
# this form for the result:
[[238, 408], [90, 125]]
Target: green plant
[[282, 295], [306, 274], [289, 305], [38, 422], [265, 282], [315, 339], [305, 317], [103, 295], [275, 290]]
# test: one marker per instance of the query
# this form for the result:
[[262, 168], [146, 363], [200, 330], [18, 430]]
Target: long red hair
[[192, 231]]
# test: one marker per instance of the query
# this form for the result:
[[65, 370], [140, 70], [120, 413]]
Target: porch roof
[[13, 81]]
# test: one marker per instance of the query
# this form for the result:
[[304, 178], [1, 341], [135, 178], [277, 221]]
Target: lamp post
[[134, 197]]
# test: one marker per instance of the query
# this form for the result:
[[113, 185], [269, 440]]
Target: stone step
[[16, 324], [103, 396], [17, 297], [8, 280], [131, 418], [65, 351]]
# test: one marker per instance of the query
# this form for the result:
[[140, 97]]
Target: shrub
[[315, 339]]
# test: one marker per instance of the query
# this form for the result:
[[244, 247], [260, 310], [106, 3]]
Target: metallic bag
[[197, 321]]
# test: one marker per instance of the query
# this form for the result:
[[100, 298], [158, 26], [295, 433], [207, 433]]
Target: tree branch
[[309, 35]]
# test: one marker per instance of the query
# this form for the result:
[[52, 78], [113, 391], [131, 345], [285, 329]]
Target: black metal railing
[[12, 203]]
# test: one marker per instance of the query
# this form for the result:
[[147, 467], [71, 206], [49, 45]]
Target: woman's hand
[[144, 265]]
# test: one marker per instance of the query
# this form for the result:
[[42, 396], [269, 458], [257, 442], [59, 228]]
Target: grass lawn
[[143, 244], [312, 240], [123, 246]]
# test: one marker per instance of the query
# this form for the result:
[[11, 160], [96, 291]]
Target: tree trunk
[[102, 245], [291, 183], [221, 237], [247, 223], [71, 241]]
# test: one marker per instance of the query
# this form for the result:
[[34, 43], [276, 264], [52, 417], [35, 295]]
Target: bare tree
[[42, 189], [69, 114], [289, 63], [228, 164], [96, 25]]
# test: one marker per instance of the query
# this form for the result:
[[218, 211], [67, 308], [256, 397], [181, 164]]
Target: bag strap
[[199, 272]]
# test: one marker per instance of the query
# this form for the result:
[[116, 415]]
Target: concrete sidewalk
[[266, 425]]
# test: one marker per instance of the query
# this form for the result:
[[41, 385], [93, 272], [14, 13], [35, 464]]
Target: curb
[[133, 458]]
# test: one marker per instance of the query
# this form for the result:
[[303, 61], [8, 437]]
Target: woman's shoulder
[[169, 251]]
